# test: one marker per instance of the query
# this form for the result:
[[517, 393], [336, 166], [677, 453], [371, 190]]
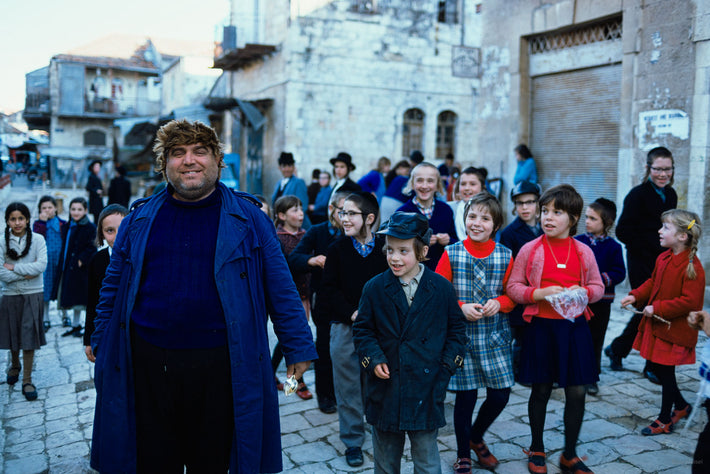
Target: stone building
[[589, 85]]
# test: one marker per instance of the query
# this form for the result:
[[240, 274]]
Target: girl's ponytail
[[686, 222]]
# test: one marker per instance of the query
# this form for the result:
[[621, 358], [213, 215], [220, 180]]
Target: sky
[[32, 31]]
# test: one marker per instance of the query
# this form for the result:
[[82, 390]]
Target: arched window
[[412, 131], [445, 133], [95, 138]]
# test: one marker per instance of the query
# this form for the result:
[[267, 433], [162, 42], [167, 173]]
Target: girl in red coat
[[676, 287]]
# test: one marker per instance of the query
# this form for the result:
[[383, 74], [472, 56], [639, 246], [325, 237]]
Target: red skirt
[[663, 352]]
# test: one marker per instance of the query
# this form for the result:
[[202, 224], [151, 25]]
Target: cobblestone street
[[53, 433]]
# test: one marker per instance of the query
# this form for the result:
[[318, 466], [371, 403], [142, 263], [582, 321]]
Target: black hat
[[93, 162], [416, 157], [286, 159], [525, 187], [407, 225], [345, 158]]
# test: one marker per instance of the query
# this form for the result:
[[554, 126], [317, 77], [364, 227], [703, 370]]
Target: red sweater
[[673, 295]]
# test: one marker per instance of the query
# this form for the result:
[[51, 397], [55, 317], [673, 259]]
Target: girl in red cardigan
[[556, 350], [676, 287]]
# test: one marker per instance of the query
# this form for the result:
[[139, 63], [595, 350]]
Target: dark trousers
[[184, 408], [640, 269], [597, 326], [324, 365], [701, 458]]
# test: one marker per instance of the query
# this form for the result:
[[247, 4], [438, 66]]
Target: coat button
[[243, 275], [123, 325], [426, 371]]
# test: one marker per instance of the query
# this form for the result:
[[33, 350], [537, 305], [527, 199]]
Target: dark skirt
[[21, 322], [558, 350]]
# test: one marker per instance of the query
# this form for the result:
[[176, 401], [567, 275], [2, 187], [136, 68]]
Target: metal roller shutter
[[575, 130]]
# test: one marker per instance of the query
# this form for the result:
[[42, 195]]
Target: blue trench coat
[[253, 281]]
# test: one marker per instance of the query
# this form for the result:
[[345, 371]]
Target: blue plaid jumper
[[489, 351]]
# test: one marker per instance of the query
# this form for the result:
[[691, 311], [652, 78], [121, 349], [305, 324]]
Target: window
[[412, 131], [95, 138], [445, 133], [448, 11]]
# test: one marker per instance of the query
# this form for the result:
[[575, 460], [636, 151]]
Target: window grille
[[607, 31], [412, 131]]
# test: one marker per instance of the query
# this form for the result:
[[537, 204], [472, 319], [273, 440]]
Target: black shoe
[[66, 322], [30, 394], [79, 333], [72, 332], [47, 325], [592, 389], [653, 378], [327, 405], [614, 360], [13, 375], [353, 456]]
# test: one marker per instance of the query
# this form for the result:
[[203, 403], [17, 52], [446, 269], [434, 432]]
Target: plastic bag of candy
[[569, 303]]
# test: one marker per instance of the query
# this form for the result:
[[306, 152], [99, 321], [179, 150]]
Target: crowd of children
[[441, 298]]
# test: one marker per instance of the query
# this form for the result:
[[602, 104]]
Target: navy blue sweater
[[178, 306], [610, 260]]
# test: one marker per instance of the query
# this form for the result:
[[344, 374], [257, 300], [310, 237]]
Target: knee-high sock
[[28, 358], [574, 414], [537, 406]]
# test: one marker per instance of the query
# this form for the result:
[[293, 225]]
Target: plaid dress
[[488, 361]]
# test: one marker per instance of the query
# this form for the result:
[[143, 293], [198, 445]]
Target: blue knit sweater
[[181, 309], [610, 260]]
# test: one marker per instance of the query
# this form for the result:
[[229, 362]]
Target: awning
[[77, 153]]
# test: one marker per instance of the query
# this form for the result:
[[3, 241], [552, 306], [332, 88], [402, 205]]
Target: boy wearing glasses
[[523, 229]]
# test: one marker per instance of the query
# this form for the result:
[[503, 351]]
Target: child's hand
[[89, 354], [382, 371], [443, 238], [79, 264], [540, 293], [628, 300], [491, 307], [354, 316], [472, 311], [700, 320], [9, 266], [433, 239], [317, 261], [648, 311]]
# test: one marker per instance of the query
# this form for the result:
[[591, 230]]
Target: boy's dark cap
[[606, 203], [407, 225], [345, 158], [416, 157], [525, 187], [286, 159]]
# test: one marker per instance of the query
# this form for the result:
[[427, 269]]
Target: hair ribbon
[[692, 223]]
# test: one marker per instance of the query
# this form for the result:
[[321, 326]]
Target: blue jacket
[[253, 281], [295, 187]]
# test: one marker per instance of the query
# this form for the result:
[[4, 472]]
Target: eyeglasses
[[350, 214], [525, 203], [661, 170]]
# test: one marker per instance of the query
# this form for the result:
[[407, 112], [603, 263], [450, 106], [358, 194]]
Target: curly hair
[[183, 132]]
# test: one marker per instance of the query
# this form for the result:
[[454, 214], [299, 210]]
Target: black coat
[[96, 202], [638, 229], [74, 279], [97, 271], [422, 344], [119, 191]]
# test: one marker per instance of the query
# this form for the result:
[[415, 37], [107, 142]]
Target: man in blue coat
[[183, 373], [292, 185]]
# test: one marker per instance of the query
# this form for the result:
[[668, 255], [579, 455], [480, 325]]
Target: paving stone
[[62, 424], [14, 437], [74, 452], [28, 421], [292, 423], [315, 433], [27, 464], [64, 389], [317, 417], [31, 447], [59, 400], [618, 467], [62, 411], [659, 461], [509, 429], [598, 429], [311, 452], [292, 439], [632, 444], [13, 410], [63, 438]]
